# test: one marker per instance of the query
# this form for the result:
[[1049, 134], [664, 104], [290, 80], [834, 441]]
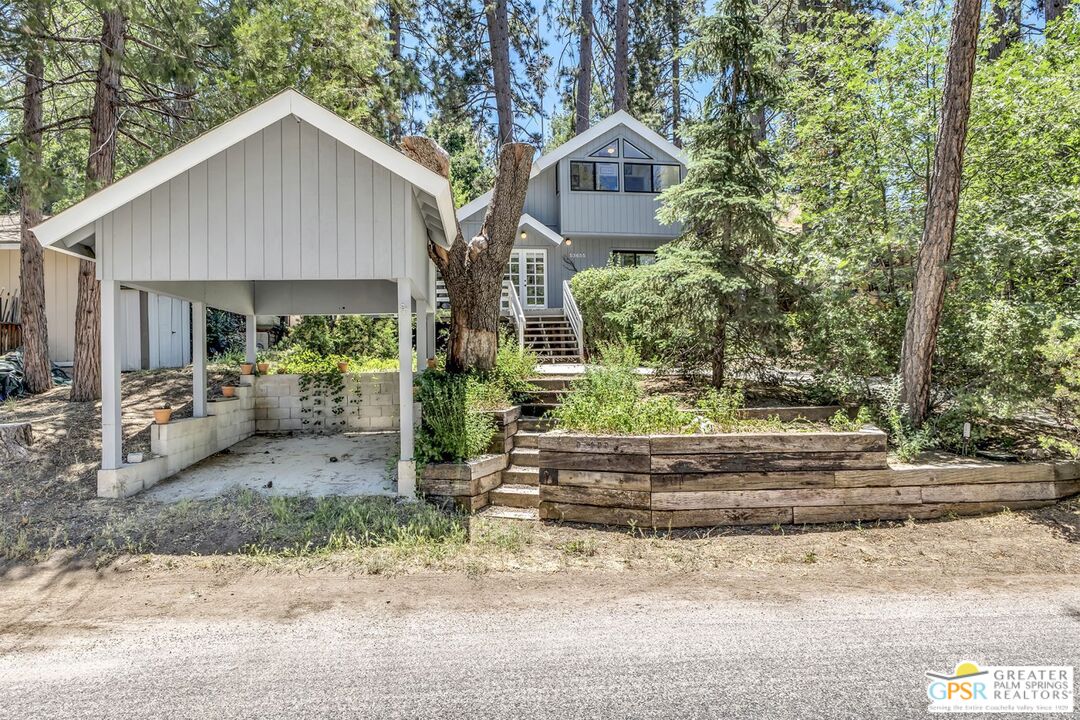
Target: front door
[[527, 272]]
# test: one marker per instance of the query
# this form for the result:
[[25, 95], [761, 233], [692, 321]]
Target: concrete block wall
[[185, 442], [369, 401]]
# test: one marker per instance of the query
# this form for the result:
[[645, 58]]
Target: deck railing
[[573, 316], [510, 297]]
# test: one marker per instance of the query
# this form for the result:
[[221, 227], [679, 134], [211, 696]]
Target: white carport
[[285, 209]]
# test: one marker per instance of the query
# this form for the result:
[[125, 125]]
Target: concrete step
[[526, 439], [553, 382], [518, 475], [525, 457], [510, 513], [535, 424], [516, 496]]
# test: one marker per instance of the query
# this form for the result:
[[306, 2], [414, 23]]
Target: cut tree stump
[[15, 441]]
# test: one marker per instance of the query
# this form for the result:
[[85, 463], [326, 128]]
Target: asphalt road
[[831, 657]]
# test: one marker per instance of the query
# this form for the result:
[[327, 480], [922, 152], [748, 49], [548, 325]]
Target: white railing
[[442, 298], [573, 316], [510, 297]]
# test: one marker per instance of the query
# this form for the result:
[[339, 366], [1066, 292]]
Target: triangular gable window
[[610, 150], [632, 151]]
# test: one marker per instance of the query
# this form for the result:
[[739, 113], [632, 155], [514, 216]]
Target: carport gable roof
[[76, 224]]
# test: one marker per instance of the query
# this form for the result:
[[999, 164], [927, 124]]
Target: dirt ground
[[49, 518]]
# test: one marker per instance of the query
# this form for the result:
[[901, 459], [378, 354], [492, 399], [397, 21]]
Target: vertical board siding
[[253, 206], [541, 201], [198, 222], [289, 202], [309, 201], [345, 186], [365, 218], [235, 242], [327, 199], [290, 199], [61, 282], [179, 221], [273, 208], [217, 257]]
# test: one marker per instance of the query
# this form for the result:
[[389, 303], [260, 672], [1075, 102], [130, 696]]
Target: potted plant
[[162, 414], [228, 390], [343, 366], [264, 367], [246, 368]]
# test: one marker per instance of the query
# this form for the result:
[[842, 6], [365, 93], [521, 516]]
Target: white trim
[[576, 143], [543, 230], [82, 215]]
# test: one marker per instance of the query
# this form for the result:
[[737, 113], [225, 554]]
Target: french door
[[527, 272]]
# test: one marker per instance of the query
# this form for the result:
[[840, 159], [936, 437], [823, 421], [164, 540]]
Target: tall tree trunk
[[499, 41], [473, 271], [719, 350], [676, 74], [583, 96], [924, 315], [37, 371], [1006, 24], [1053, 9], [394, 21], [100, 171], [622, 55]]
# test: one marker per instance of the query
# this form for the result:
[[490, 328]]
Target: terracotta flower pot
[[263, 368], [246, 368], [431, 363], [343, 367], [162, 415], [228, 390]]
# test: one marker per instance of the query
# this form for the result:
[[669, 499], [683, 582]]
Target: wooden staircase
[[518, 497], [551, 337]]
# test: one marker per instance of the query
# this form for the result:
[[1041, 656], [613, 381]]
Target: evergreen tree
[[720, 266]]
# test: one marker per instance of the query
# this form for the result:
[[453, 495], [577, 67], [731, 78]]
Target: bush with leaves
[[451, 428], [357, 336]]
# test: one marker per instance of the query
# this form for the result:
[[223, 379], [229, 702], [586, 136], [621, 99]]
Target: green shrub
[[721, 406], [609, 399], [905, 439], [451, 429], [840, 422], [1060, 353], [514, 368], [348, 335]]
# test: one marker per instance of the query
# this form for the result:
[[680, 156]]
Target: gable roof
[[76, 223], [579, 141], [540, 228]]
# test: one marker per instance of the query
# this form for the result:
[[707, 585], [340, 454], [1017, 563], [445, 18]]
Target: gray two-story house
[[591, 201]]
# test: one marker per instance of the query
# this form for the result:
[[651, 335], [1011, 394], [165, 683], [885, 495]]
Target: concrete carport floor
[[315, 465]]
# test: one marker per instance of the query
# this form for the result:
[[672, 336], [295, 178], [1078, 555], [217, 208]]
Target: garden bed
[[673, 481]]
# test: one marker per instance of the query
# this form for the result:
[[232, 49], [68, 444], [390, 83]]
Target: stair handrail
[[516, 312], [573, 316]]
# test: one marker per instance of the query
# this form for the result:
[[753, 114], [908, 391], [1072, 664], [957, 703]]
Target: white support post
[[198, 359], [406, 466], [112, 429], [250, 347]]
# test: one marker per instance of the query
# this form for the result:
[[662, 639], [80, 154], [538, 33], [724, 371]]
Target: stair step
[[553, 382], [518, 475], [547, 396], [537, 409], [526, 457], [516, 496], [535, 424], [526, 439], [510, 513]]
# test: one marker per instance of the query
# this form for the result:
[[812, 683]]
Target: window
[[664, 176], [607, 177], [632, 258], [594, 176], [610, 150], [637, 177], [630, 150], [582, 176]]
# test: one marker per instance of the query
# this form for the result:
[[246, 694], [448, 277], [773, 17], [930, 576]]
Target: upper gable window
[[611, 150], [629, 150], [587, 175]]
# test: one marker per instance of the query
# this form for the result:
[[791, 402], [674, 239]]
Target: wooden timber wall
[[771, 478], [467, 485]]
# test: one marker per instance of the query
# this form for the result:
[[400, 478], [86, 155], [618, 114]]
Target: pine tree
[[720, 266]]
